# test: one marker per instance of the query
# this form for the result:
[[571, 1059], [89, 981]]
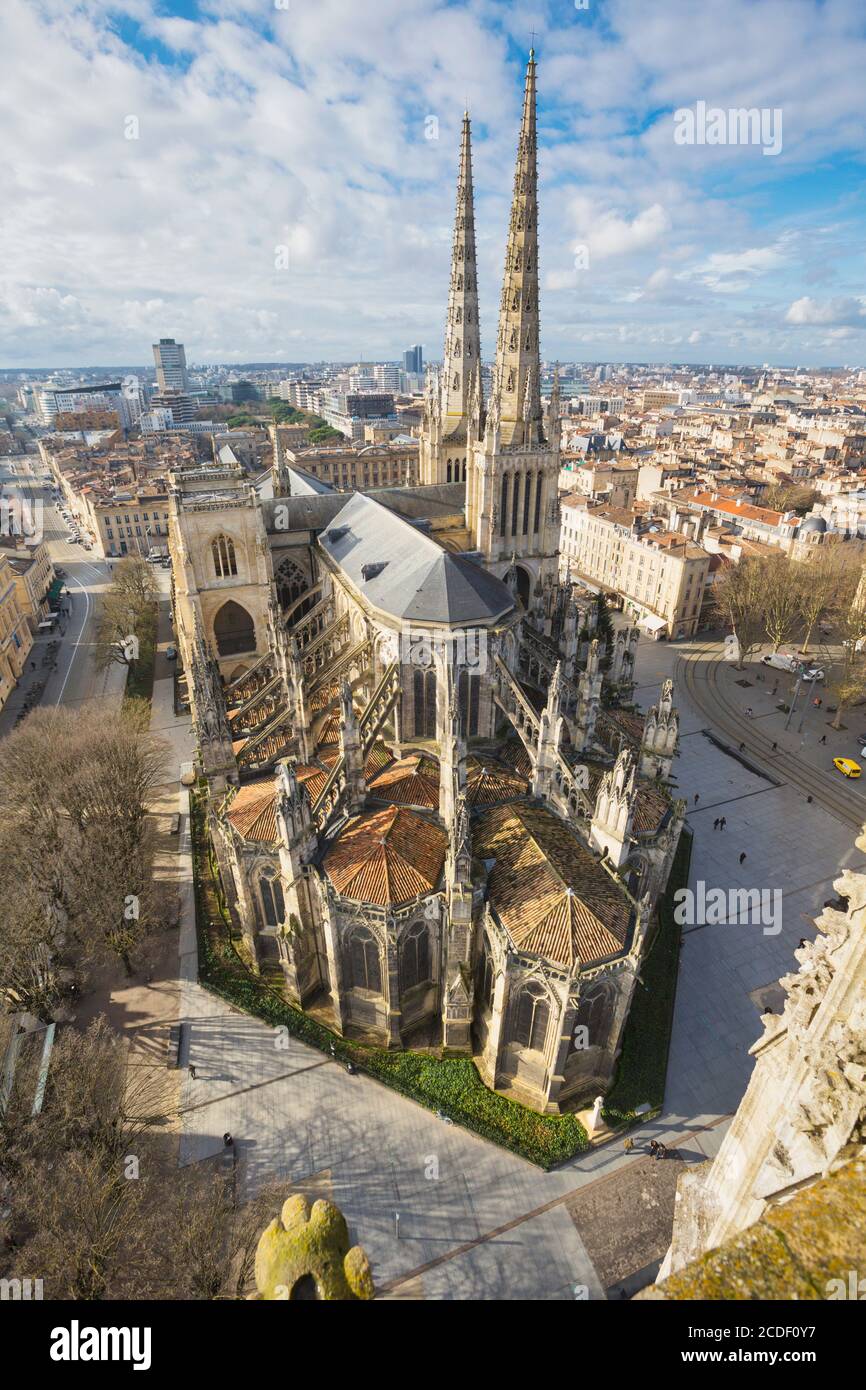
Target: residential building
[[660, 574], [16, 638]]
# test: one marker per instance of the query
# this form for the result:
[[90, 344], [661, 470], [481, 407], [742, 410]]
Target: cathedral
[[434, 825]]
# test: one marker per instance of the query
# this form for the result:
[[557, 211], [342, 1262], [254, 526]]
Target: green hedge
[[448, 1084], [642, 1066]]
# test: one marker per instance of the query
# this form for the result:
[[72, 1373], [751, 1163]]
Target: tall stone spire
[[517, 374], [462, 335]]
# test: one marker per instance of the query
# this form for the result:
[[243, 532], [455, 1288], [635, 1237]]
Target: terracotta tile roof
[[412, 781], [252, 810], [731, 507], [322, 697], [549, 893], [387, 857], [514, 754], [329, 734], [488, 782], [613, 722], [379, 756]]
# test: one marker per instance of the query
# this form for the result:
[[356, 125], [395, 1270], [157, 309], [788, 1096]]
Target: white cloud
[[838, 313]]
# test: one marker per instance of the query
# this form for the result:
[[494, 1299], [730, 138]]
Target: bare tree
[[782, 584], [738, 595], [824, 578], [126, 629]]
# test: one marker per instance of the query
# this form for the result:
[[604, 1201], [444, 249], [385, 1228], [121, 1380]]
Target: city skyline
[[267, 189]]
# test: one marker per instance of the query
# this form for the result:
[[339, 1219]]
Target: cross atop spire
[[517, 373], [462, 335]]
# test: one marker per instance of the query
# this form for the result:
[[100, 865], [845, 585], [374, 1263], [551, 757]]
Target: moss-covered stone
[[795, 1251], [305, 1253]]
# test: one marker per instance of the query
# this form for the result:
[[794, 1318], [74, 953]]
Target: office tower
[[170, 360]]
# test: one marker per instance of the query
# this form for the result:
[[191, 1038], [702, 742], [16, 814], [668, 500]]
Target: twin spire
[[516, 401], [462, 356]]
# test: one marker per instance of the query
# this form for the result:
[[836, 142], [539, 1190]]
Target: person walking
[[743, 857], [723, 822], [697, 797], [653, 1146], [660, 1151], [191, 1070], [774, 748], [742, 748], [823, 738], [716, 823], [628, 1144]]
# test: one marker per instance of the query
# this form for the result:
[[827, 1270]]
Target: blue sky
[[281, 196]]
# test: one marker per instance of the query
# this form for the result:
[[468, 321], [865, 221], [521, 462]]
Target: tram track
[[699, 669]]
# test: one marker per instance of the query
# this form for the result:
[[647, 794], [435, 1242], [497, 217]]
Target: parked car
[[171, 651], [847, 767], [782, 661], [813, 674]]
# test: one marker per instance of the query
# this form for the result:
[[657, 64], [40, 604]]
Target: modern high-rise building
[[170, 360], [413, 359]]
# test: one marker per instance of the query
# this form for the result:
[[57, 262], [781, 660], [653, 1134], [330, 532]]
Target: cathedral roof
[[387, 857], [550, 894], [488, 782], [411, 781], [407, 574], [252, 809]]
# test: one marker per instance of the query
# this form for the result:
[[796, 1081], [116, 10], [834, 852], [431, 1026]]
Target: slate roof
[[550, 894], [387, 857], [411, 576]]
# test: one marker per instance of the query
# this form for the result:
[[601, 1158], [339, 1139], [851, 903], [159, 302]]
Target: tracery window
[[224, 560], [532, 1018]]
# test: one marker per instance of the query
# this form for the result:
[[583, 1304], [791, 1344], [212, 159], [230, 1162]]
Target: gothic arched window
[[415, 957], [591, 1012], [224, 562], [365, 970], [291, 582], [273, 903], [424, 691], [532, 1018], [484, 984], [468, 698]]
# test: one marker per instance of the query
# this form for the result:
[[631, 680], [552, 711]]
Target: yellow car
[[847, 767]]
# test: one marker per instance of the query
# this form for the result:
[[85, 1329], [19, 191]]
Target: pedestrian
[[697, 797], [809, 800], [716, 823], [628, 1144], [774, 748], [653, 1146], [228, 1140], [660, 1151], [191, 1070], [749, 713], [823, 738], [743, 857], [802, 943], [723, 822], [775, 688], [742, 748]]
